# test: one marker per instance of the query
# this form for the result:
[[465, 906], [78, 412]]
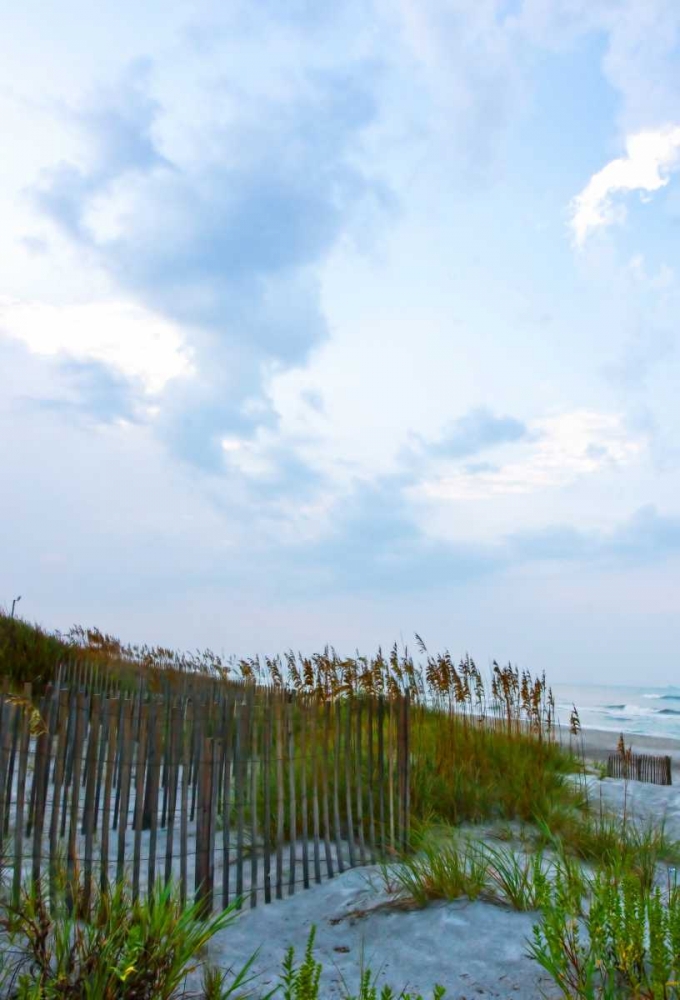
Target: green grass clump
[[437, 871], [302, 982], [619, 845], [448, 870], [625, 944], [141, 950]]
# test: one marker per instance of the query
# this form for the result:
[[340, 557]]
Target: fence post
[[21, 793], [72, 861], [292, 829], [204, 880], [406, 765], [8, 711]]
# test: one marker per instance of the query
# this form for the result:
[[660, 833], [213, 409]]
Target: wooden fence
[[640, 767], [235, 791]]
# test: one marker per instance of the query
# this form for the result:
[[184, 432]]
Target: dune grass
[[28, 653], [479, 750], [447, 867], [465, 770], [621, 845]]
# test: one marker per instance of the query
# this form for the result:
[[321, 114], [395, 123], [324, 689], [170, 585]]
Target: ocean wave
[[632, 710], [656, 696], [623, 713], [670, 697]]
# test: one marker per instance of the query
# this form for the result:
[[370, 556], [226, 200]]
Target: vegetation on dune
[[27, 653], [447, 867], [465, 771], [478, 750], [30, 654], [624, 941], [608, 929], [302, 981], [606, 926], [622, 845], [143, 950]]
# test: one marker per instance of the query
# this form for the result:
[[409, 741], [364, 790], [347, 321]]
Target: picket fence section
[[238, 792], [640, 767]]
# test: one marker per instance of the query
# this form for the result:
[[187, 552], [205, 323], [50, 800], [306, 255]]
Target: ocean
[[649, 711]]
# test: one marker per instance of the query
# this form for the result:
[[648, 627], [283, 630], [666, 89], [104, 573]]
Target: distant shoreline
[[597, 744]]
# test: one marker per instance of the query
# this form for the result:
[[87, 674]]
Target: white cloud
[[132, 340], [247, 457], [565, 448], [651, 157]]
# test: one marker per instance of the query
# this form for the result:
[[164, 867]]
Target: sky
[[329, 323]]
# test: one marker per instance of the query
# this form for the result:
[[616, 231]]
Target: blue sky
[[337, 322]]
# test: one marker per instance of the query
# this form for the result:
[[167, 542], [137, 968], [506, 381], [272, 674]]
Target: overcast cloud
[[345, 321]]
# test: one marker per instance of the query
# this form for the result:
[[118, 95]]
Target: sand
[[474, 949], [597, 744]]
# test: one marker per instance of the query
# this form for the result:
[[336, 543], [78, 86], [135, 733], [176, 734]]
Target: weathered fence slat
[[326, 725], [337, 718], [8, 712], [124, 783], [267, 806], [204, 873], [77, 758], [170, 796], [152, 790], [359, 784], [59, 757], [314, 718], [292, 811], [184, 819], [20, 796], [140, 771], [255, 763], [88, 807], [109, 749], [41, 776], [371, 779], [349, 760], [226, 802], [280, 798], [240, 721], [303, 795]]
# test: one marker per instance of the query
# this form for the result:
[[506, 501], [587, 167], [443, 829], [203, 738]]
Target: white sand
[[474, 949]]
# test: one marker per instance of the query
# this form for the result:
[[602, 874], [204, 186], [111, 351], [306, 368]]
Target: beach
[[597, 744]]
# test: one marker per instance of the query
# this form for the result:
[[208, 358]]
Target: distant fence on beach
[[640, 767], [235, 790]]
